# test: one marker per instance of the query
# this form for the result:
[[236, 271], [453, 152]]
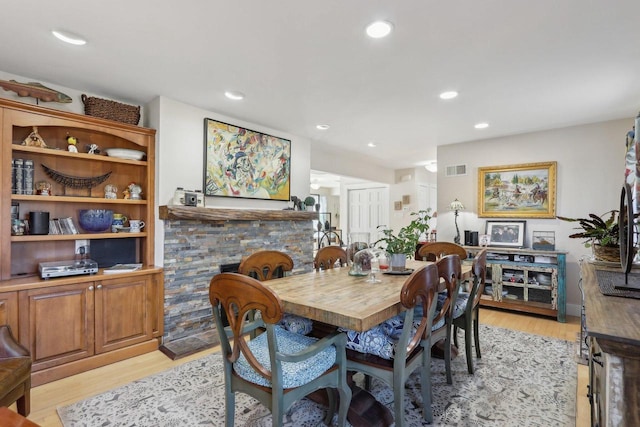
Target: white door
[[368, 208]]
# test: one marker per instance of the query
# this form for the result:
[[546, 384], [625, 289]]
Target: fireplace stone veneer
[[197, 241]]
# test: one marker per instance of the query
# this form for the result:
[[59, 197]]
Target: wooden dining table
[[336, 298]]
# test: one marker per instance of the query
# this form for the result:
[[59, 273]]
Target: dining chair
[[266, 265], [432, 251], [270, 264], [328, 256], [468, 319], [450, 271], [394, 349], [277, 367]]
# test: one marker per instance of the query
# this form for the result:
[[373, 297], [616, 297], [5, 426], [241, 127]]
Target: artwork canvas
[[517, 191], [244, 163]]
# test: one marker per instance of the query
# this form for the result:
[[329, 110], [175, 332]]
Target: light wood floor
[[45, 398]]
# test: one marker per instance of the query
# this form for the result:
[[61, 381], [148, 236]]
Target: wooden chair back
[[266, 265], [433, 250], [239, 296], [449, 270], [479, 270], [421, 288], [328, 256]]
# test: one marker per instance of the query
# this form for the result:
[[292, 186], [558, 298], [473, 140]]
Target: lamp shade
[[456, 205]]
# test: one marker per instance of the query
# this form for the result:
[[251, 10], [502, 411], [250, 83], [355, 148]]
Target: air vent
[[456, 170]]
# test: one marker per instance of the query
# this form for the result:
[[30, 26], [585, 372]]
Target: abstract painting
[[243, 163]]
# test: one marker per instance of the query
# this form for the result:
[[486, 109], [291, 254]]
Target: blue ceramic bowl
[[95, 220]]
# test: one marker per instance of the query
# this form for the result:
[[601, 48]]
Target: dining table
[[335, 298]]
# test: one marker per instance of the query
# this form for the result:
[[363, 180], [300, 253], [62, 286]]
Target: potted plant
[[309, 202], [601, 234], [403, 245]]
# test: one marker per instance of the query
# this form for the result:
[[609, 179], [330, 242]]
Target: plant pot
[[607, 253], [398, 262]]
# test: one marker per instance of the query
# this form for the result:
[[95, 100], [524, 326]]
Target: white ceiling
[[519, 65]]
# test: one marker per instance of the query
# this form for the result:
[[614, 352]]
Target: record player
[[67, 268]]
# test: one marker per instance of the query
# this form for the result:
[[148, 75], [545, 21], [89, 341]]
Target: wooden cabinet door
[[56, 324], [157, 304], [123, 312]]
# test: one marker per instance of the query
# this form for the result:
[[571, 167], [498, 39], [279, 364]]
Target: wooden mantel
[[179, 212]]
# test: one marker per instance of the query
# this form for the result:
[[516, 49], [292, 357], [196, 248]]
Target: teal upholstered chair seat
[[294, 374]]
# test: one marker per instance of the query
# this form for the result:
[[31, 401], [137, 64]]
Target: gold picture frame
[[517, 191]]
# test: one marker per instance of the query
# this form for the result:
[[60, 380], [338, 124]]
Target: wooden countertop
[[614, 321]]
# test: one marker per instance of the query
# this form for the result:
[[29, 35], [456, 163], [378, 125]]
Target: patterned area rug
[[521, 380]]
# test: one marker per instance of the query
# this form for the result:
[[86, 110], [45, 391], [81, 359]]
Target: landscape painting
[[240, 162], [517, 191]]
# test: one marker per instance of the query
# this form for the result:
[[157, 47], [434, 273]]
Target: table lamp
[[456, 206]]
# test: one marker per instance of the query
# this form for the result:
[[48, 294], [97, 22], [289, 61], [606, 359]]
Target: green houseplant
[[600, 233], [309, 202], [402, 245]]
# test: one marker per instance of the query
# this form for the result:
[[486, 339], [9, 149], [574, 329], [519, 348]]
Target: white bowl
[[124, 153]]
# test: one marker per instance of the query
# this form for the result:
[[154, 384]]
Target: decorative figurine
[[110, 191], [34, 139], [43, 188], [72, 141], [133, 192], [93, 149]]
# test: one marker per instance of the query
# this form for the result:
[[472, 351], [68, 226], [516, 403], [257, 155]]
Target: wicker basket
[[607, 253], [111, 110]]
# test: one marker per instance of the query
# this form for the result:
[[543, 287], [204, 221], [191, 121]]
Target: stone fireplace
[[198, 241]]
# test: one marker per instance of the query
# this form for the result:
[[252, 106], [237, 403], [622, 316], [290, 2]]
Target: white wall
[[180, 158], [76, 106], [589, 180]]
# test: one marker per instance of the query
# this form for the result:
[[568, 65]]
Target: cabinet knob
[[99, 286], [91, 287]]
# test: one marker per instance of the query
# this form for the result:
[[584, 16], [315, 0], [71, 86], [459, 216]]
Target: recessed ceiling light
[[232, 94], [322, 127], [68, 37], [379, 29], [448, 95], [481, 125], [371, 144], [315, 186]]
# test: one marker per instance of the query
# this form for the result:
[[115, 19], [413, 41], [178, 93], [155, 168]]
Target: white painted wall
[[180, 158], [589, 180]]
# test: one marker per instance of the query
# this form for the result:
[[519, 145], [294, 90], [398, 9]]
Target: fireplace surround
[[198, 241]]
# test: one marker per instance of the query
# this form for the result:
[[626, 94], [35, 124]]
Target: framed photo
[[517, 191], [485, 240], [506, 233], [240, 162]]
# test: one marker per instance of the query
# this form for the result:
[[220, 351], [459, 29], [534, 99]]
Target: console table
[[613, 331], [526, 280]]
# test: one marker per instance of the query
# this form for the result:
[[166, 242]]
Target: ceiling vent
[[456, 170]]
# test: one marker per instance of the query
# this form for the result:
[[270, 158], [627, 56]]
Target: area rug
[[521, 380]]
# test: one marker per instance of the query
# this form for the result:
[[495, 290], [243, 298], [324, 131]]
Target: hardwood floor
[[45, 398]]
